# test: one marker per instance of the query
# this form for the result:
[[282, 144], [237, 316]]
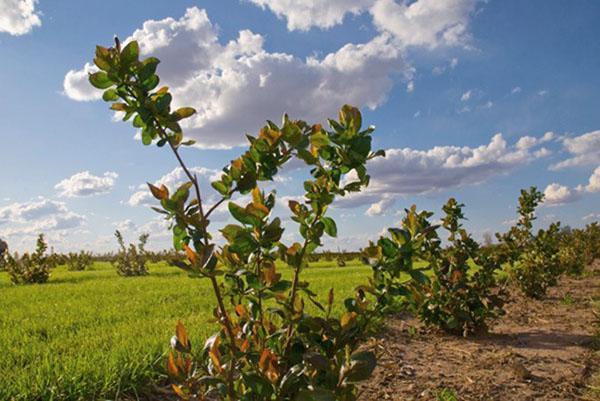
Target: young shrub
[[78, 261], [397, 279], [29, 269], [131, 261], [268, 347], [459, 298], [533, 260]]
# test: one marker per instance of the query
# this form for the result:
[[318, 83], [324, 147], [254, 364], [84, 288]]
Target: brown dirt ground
[[540, 350]]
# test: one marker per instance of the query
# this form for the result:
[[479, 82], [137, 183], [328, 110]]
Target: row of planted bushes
[[268, 346], [36, 267]]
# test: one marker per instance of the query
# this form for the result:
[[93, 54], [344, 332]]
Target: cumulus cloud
[[77, 87], [379, 208], [527, 142], [36, 216], [18, 17], [406, 171], [85, 184], [594, 181], [172, 180], [305, 14], [556, 194], [237, 85], [584, 150], [428, 23], [466, 96]]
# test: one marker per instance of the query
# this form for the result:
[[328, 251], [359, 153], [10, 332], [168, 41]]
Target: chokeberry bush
[[131, 261], [461, 296], [533, 259], [29, 268], [78, 261], [268, 346]]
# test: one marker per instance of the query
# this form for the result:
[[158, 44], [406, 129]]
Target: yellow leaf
[[182, 335]]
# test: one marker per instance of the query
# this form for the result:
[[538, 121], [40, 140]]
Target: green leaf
[[184, 112], [241, 215], [100, 80], [220, 187], [130, 53], [182, 193], [146, 137], [361, 366], [330, 226], [110, 95], [148, 68], [231, 231]]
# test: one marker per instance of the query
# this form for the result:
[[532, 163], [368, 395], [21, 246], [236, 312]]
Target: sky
[[470, 99]]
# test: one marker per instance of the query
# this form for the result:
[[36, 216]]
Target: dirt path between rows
[[540, 350]]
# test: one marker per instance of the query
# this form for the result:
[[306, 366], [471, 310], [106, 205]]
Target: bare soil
[[540, 350]]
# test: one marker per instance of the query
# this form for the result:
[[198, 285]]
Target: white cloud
[[584, 150], [543, 92], [466, 96], [18, 17], [305, 14], [173, 180], [594, 181], [515, 90], [408, 171], [556, 194], [237, 86], [379, 208], [410, 87], [125, 225], [428, 23], [85, 184], [37, 216], [527, 142], [77, 87]]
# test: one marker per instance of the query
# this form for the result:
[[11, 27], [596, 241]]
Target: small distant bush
[[29, 268], [131, 261], [78, 261]]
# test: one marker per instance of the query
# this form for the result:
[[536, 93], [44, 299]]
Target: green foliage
[[131, 261], [78, 261], [29, 268], [533, 259], [455, 296], [456, 299], [397, 273], [268, 346]]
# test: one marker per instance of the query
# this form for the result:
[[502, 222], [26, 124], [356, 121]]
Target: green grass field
[[95, 335]]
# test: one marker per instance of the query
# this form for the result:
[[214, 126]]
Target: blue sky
[[471, 99]]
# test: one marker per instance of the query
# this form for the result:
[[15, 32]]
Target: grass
[[94, 335]]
